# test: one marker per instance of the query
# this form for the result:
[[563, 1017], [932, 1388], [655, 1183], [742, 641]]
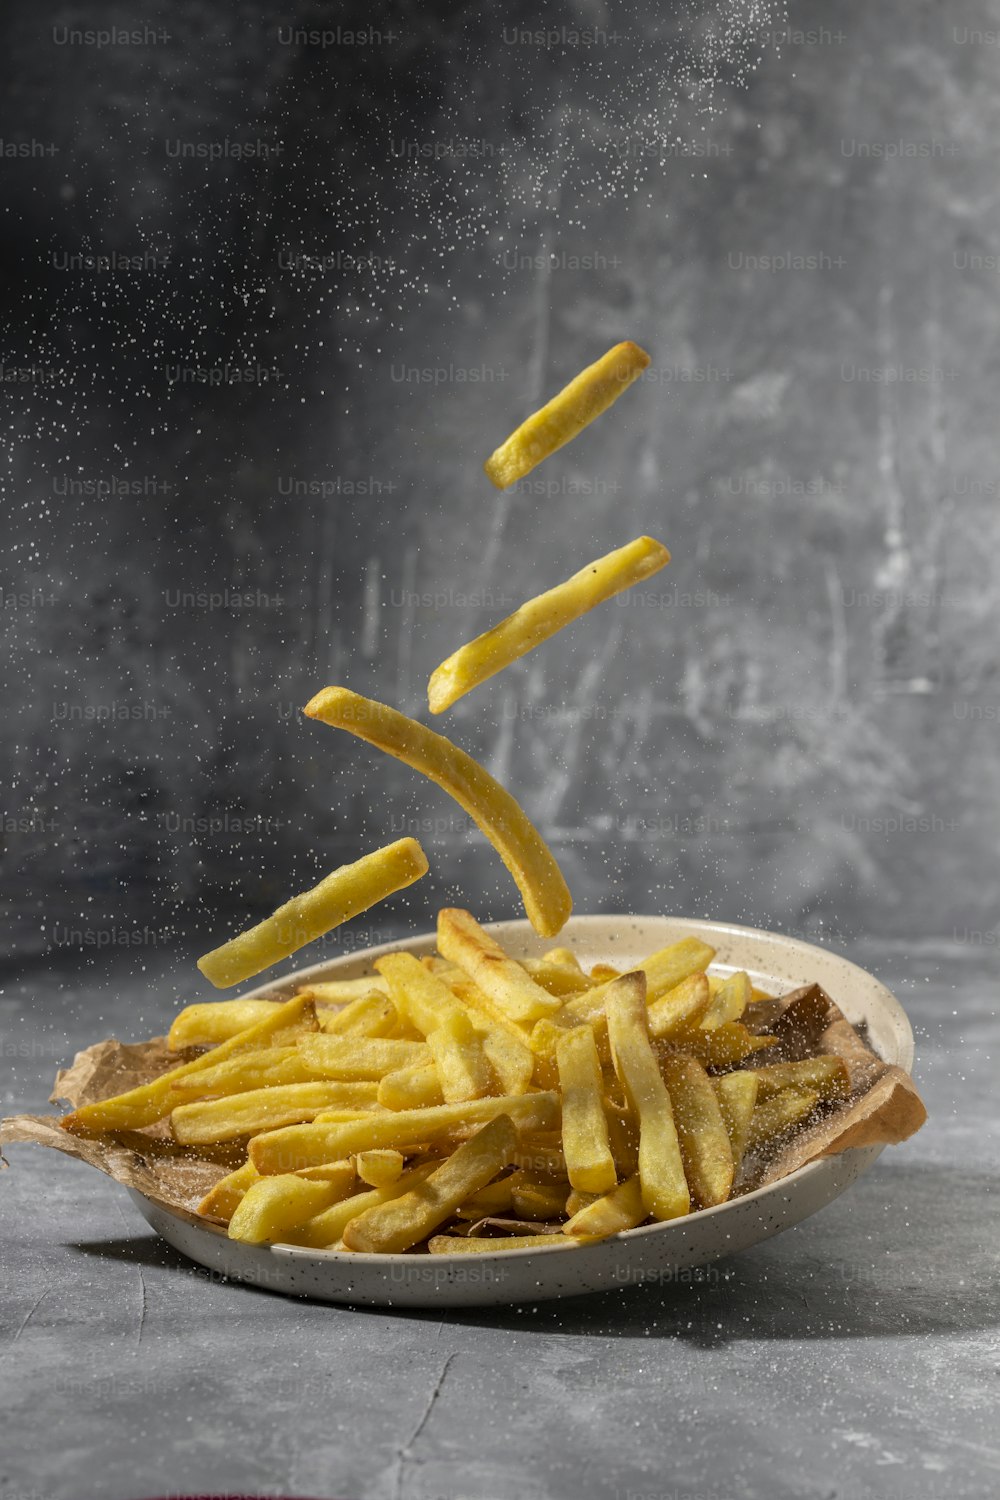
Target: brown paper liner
[[882, 1108]]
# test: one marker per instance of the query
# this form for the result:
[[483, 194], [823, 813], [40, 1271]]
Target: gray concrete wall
[[796, 725]]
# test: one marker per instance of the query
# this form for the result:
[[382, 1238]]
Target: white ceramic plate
[[656, 1252]]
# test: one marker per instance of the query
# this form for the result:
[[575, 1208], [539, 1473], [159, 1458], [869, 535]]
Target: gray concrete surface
[[854, 1357]]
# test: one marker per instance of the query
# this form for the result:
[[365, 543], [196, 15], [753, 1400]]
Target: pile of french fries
[[468, 1102]]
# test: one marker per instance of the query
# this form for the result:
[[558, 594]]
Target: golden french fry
[[222, 1201], [701, 1130], [211, 1022], [737, 1096], [355, 1058], [781, 1112], [727, 1045], [380, 1167], [664, 971], [272, 1206], [465, 1244], [390, 1228], [542, 617], [568, 413], [564, 958], [340, 992], [538, 1198], [486, 1010], [494, 1199], [248, 1070], [728, 1002], [430, 1004], [304, 1145], [589, 1163], [151, 1101], [540, 1160], [227, 1119], [501, 979], [680, 1009], [623, 1208], [328, 1227], [623, 1135], [372, 1014], [511, 1060], [499, 817], [604, 973], [661, 1171], [555, 979], [418, 994], [825, 1075], [342, 1172], [411, 1088], [461, 1063], [342, 895]]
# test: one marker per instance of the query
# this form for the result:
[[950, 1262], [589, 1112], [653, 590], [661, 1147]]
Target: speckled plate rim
[[860, 995]]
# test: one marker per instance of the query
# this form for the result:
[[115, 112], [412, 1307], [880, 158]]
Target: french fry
[[390, 1228], [249, 1070], [211, 1120], [486, 1010], [222, 1201], [661, 1171], [565, 958], [680, 1009], [543, 1161], [340, 896], [411, 1088], [623, 1208], [727, 1045], [780, 1113], [380, 1167], [568, 413], [456, 1244], [327, 1228], [511, 1060], [576, 1201], [589, 1163], [555, 979], [825, 1075], [461, 1063], [304, 1145], [538, 1198], [728, 1002], [418, 994], [210, 1022], [372, 1014], [623, 1135], [701, 1130], [355, 1058], [272, 1206], [151, 1101], [340, 992], [664, 971], [428, 1002], [499, 817], [343, 1172], [501, 979], [541, 617], [496, 1198], [737, 1096], [604, 973]]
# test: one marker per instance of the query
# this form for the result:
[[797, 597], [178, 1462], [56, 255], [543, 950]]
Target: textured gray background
[[796, 725]]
